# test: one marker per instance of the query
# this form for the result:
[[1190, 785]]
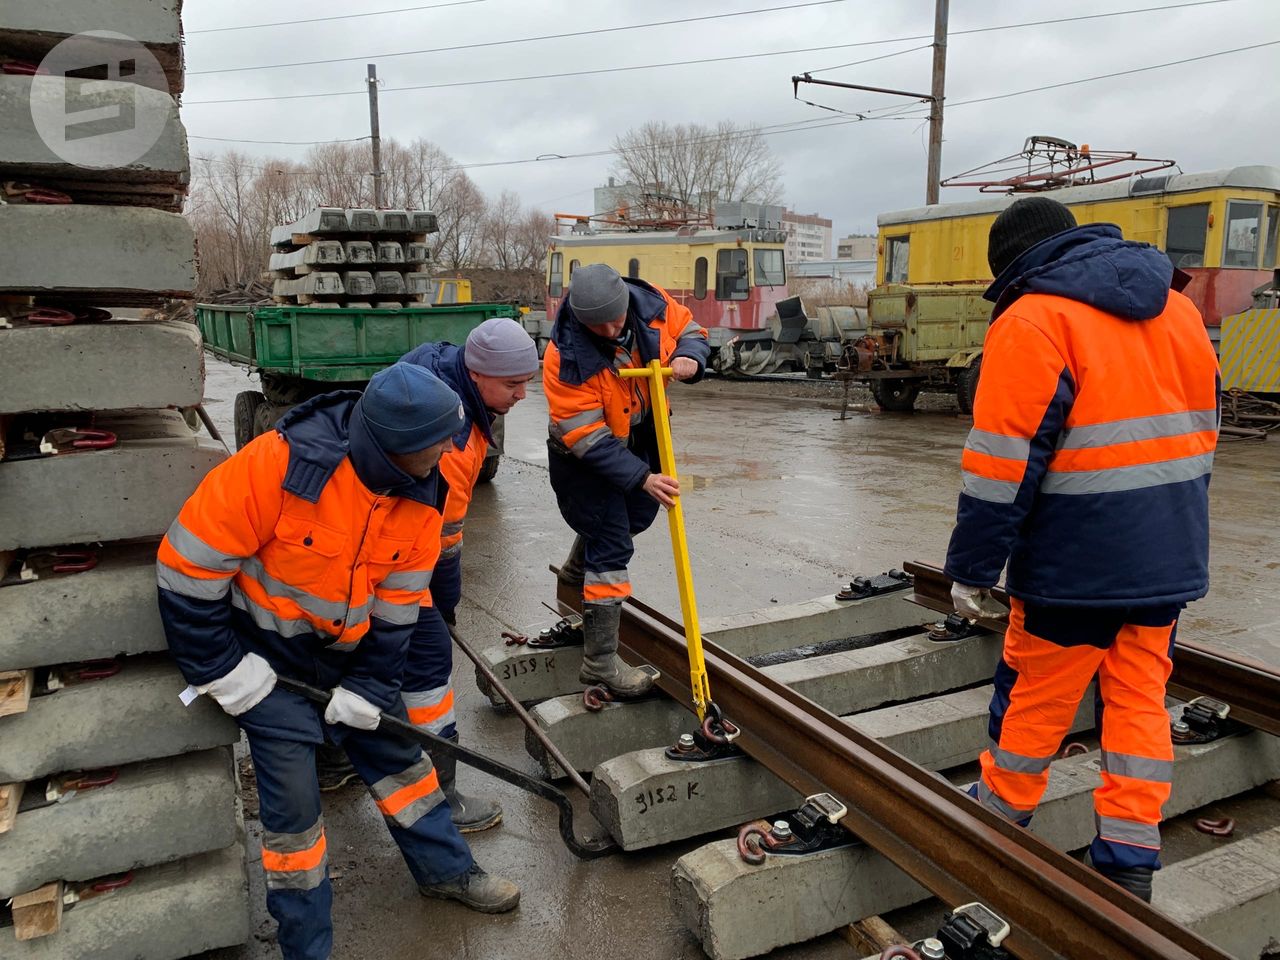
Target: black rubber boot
[[470, 814], [333, 769], [477, 890], [1137, 880], [600, 663]]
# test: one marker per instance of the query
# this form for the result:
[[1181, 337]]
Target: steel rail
[[1057, 907], [1250, 687]]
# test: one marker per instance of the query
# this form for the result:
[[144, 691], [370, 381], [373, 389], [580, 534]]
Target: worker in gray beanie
[[603, 450], [489, 373]]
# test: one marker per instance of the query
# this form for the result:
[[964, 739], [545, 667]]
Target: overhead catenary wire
[[342, 16], [502, 43], [1039, 23], [871, 114], [580, 73]]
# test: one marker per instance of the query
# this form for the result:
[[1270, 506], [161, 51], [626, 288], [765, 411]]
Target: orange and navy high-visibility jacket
[[462, 461], [592, 409], [1094, 429], [309, 548]]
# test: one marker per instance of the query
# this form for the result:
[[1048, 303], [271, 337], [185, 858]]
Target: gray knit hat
[[500, 347], [597, 294]]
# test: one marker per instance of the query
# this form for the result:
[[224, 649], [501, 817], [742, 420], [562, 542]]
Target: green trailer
[[921, 337], [300, 352]]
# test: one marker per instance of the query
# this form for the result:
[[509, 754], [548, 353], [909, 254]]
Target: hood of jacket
[[322, 431], [448, 362], [1094, 265], [582, 355]]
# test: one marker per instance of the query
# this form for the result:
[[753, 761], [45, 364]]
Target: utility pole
[[934, 97], [935, 100], [372, 80]]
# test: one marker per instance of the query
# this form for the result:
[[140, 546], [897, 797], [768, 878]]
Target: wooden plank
[[871, 936], [10, 798], [38, 912], [15, 691]]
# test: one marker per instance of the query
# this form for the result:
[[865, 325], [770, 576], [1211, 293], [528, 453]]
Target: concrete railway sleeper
[[1250, 688], [928, 829]]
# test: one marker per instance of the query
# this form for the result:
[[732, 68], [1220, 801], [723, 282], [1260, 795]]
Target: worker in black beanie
[[1086, 477]]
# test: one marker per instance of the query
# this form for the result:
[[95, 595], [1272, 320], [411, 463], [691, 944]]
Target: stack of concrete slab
[[335, 257], [118, 805]]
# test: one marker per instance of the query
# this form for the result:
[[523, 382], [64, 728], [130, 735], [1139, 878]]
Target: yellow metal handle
[[646, 371], [700, 684]]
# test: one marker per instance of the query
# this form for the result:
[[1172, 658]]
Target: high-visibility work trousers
[[607, 519], [294, 847], [428, 675], [1050, 656]]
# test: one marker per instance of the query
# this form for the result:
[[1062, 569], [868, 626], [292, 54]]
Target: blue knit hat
[[406, 408]]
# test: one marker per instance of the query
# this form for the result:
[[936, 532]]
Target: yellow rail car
[[1220, 227]]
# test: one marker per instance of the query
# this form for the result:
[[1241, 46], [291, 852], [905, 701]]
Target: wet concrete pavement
[[783, 503]]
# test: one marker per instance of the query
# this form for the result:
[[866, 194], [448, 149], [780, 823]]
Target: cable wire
[[503, 43], [344, 16]]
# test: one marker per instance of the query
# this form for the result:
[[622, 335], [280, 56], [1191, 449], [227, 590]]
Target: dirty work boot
[[333, 769], [600, 663], [572, 572], [477, 890], [470, 814], [1137, 880]]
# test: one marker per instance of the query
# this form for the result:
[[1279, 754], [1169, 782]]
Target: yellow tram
[[1220, 227], [730, 278]]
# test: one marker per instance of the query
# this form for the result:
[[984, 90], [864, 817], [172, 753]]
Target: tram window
[[633, 268], [1243, 222], [573, 265], [895, 269], [555, 282], [1184, 238], [770, 271], [700, 278], [1273, 234], [731, 274]]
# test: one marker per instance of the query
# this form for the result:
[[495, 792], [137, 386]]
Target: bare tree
[[695, 165], [532, 235], [499, 231]]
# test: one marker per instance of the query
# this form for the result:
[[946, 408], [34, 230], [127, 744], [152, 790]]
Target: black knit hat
[[1021, 226]]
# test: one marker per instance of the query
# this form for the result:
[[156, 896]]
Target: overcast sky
[[1218, 112]]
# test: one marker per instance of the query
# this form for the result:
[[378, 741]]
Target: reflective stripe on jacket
[[285, 551], [592, 409], [1095, 424]]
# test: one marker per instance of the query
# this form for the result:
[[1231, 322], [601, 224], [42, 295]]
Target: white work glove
[[351, 709], [976, 603], [244, 687]]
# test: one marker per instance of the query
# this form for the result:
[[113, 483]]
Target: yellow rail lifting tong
[[656, 374]]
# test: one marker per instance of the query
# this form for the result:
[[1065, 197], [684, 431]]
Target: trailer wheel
[[265, 416], [488, 470], [967, 385], [246, 415], [896, 396]]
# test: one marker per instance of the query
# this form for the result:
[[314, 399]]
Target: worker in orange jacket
[[603, 451], [1087, 471], [489, 373], [309, 554]]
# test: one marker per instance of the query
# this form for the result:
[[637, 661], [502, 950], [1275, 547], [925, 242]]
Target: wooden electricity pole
[[934, 97], [372, 80], [935, 100]]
